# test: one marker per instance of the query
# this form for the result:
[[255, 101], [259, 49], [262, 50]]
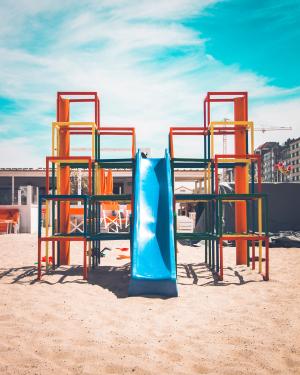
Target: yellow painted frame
[[246, 124], [55, 133]]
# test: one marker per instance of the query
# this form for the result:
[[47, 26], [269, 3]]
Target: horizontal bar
[[100, 132], [194, 197], [77, 93], [190, 165], [116, 166], [192, 159], [240, 123], [109, 236], [209, 93], [75, 165], [237, 236], [195, 236], [68, 157], [194, 127], [179, 165], [117, 128], [82, 100], [241, 196], [73, 123], [220, 100], [114, 160], [62, 238], [63, 197], [111, 197]]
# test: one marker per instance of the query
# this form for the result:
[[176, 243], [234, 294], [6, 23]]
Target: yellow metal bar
[[73, 161], [259, 220], [237, 235], [252, 138], [247, 180], [212, 143], [90, 254], [247, 124], [58, 178], [74, 123], [57, 143], [238, 123], [93, 143], [53, 140], [233, 160], [209, 178]]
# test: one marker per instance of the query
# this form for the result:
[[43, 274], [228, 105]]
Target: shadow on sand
[[116, 279]]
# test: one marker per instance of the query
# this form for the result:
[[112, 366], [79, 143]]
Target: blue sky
[[151, 62]]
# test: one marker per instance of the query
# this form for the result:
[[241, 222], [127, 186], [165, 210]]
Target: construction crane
[[262, 129], [272, 128]]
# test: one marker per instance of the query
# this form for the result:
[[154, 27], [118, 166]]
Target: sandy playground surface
[[64, 325]]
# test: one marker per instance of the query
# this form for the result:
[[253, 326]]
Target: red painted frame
[[108, 130], [229, 97], [95, 99], [249, 238], [181, 130], [53, 240]]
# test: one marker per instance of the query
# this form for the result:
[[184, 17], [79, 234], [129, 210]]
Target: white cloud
[[21, 153], [113, 49]]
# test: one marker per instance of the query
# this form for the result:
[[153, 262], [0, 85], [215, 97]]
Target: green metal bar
[[111, 197], [194, 197], [82, 165], [240, 196], [111, 236], [195, 236]]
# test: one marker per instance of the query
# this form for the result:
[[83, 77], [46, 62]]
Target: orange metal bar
[[241, 180], [171, 144], [64, 151]]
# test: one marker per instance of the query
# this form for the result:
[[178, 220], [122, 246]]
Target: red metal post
[[39, 259]]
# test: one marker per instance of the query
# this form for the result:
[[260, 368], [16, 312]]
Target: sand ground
[[65, 325]]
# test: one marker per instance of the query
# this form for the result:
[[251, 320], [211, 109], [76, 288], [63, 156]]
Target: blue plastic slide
[[153, 264]]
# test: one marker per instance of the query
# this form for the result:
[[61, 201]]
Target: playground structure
[[153, 235]]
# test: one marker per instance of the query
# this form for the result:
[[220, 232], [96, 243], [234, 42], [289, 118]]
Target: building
[[294, 159], [14, 183], [287, 154], [270, 153]]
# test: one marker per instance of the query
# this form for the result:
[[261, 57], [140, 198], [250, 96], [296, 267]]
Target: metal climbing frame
[[251, 206], [58, 199]]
